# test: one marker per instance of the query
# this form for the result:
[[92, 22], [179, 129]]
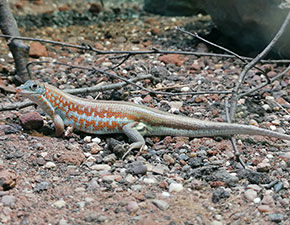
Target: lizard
[[134, 120]]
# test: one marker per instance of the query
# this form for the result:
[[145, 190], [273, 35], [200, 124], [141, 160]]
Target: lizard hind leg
[[133, 133]]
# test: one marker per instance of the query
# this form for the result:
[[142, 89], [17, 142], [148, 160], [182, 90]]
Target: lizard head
[[31, 89]]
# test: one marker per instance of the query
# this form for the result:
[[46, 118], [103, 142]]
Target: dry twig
[[153, 51], [250, 65]]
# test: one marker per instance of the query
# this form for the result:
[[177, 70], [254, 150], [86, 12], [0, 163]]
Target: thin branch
[[120, 63], [107, 87], [224, 49], [246, 69], [233, 139], [112, 75], [153, 51], [16, 106], [210, 43], [265, 84]]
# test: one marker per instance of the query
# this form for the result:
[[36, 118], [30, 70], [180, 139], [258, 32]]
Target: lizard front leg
[[132, 130], [59, 125]]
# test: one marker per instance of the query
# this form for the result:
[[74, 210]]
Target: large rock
[[172, 7], [248, 24], [251, 23]]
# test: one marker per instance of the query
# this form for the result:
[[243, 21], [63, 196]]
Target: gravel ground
[[82, 179]]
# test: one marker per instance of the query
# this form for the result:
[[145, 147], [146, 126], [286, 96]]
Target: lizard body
[[136, 121]]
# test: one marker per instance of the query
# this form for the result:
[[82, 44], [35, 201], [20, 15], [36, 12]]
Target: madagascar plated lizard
[[136, 121]]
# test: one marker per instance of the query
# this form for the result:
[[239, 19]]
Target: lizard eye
[[34, 86]]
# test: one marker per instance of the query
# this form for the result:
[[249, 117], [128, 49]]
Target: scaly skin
[[136, 121]]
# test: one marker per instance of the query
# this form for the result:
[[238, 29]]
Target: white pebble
[[271, 98], [266, 107], [87, 154], [276, 122], [49, 165], [165, 194], [43, 154], [185, 89], [149, 180], [88, 139], [175, 187], [257, 200], [101, 167], [218, 217], [269, 156], [253, 123], [96, 140], [59, 204], [272, 127], [250, 194]]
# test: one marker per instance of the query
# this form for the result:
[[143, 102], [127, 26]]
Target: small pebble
[[137, 167], [168, 159], [175, 187], [276, 217], [88, 139], [59, 204], [185, 89], [278, 187], [93, 185], [160, 204], [49, 165], [253, 123], [159, 169], [276, 122], [270, 156], [8, 200], [110, 158], [96, 140], [101, 167], [165, 194], [132, 206], [130, 179], [257, 200], [149, 180], [268, 200], [80, 189], [263, 167], [218, 217], [264, 208], [62, 222], [250, 194], [215, 222], [266, 107], [254, 187]]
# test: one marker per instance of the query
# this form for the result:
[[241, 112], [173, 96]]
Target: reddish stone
[[63, 8], [37, 50], [163, 184], [140, 197], [7, 179], [172, 58], [264, 208], [217, 183], [200, 99], [70, 157], [147, 99], [155, 31], [31, 121], [37, 2]]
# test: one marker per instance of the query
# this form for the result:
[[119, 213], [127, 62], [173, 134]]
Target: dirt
[[82, 179]]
